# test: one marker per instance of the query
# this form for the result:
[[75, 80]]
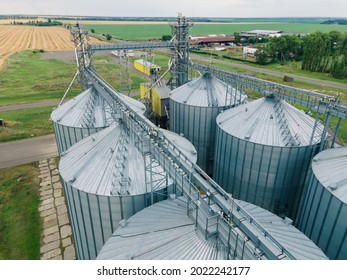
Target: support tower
[[180, 53], [83, 52]]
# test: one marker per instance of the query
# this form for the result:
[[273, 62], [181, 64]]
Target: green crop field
[[27, 78], [155, 31]]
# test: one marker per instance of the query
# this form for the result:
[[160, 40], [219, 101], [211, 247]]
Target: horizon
[[201, 17]]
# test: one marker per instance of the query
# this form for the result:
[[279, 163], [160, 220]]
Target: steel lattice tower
[[83, 52], [180, 54]]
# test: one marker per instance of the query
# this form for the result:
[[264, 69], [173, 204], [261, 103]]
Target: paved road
[[29, 105], [28, 150], [270, 72]]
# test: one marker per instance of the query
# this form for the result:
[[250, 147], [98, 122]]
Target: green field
[[26, 123], [20, 226], [155, 31], [27, 78]]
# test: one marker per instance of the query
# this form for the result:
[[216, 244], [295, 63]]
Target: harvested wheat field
[[15, 38]]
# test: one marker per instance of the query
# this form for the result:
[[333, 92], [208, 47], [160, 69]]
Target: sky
[[189, 8]]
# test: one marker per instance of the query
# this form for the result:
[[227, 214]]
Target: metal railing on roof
[[313, 100]]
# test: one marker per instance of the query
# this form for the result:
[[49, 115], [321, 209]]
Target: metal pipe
[[325, 132], [336, 132]]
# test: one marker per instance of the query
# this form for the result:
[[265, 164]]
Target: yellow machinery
[[159, 95], [146, 67]]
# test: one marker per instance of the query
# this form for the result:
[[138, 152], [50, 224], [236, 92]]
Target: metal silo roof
[[161, 231], [329, 167], [88, 109], [206, 91], [164, 231], [294, 241], [270, 122], [137, 106], [106, 163], [84, 110], [184, 145]]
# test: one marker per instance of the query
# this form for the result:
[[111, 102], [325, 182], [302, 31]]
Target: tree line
[[49, 22], [319, 52]]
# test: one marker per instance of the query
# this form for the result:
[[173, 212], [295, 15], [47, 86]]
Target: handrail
[[311, 99]]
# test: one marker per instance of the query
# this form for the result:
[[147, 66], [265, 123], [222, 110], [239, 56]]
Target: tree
[[92, 30], [166, 37], [262, 55], [237, 37], [339, 68], [108, 37], [317, 51], [252, 40]]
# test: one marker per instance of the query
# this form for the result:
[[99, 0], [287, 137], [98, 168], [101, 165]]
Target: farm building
[[260, 33], [249, 51], [207, 41]]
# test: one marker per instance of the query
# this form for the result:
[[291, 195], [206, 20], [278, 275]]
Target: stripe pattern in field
[[15, 38]]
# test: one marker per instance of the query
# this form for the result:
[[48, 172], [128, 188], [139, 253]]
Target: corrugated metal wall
[[95, 217], [198, 125], [324, 220], [267, 176], [66, 136]]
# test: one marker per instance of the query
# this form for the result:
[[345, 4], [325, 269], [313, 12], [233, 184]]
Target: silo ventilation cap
[[288, 221], [123, 223]]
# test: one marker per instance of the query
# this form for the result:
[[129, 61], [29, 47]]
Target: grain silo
[[263, 151], [82, 116], [104, 181], [193, 110], [163, 231], [323, 216]]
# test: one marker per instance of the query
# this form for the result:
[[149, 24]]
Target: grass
[[26, 123], [101, 59], [20, 226], [27, 79], [116, 76], [155, 31]]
